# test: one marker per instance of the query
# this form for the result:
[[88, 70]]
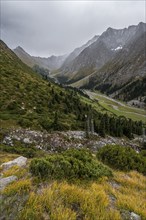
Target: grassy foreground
[[104, 199]]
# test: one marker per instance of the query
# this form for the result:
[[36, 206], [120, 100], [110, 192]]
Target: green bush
[[143, 153], [25, 123], [122, 158], [71, 164], [29, 152], [45, 123], [40, 167]]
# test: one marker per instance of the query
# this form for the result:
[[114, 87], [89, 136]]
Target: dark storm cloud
[[57, 27]]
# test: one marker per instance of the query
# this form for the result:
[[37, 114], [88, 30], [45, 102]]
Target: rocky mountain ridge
[[124, 76], [104, 49], [50, 63]]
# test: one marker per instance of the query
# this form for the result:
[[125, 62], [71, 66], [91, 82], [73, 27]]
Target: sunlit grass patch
[[131, 194], [131, 179], [5, 157], [33, 209], [19, 187], [133, 201], [64, 201], [16, 171]]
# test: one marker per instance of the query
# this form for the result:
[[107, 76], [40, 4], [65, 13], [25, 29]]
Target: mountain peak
[[109, 29], [142, 25], [20, 49]]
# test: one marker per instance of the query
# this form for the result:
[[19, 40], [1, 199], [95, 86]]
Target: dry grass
[[19, 187], [16, 171], [79, 200], [63, 201], [5, 157], [132, 193]]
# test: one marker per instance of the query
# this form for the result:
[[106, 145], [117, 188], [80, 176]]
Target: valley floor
[[117, 107]]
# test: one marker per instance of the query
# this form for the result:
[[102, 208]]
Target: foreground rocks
[[134, 216], [7, 180], [20, 161], [127, 215]]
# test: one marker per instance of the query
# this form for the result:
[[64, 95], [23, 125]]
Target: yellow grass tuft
[[131, 194], [63, 201], [5, 157], [19, 187], [79, 200], [16, 171]]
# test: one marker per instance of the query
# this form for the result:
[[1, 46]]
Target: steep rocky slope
[[77, 51], [105, 48], [124, 76]]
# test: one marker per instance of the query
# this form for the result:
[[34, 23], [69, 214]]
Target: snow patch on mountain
[[117, 48]]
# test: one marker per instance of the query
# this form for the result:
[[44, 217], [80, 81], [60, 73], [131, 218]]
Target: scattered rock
[[27, 141], [127, 215], [112, 200], [20, 161], [114, 185], [134, 216], [7, 180], [52, 142]]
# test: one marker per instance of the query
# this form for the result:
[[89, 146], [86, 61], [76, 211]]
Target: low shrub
[[143, 153], [71, 164], [25, 123], [29, 152], [122, 158]]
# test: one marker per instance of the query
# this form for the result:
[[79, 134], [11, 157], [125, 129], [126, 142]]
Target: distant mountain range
[[53, 62], [50, 63], [114, 63]]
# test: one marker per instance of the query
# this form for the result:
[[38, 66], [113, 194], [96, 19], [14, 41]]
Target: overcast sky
[[44, 28]]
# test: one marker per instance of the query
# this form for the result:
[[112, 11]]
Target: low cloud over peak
[[44, 28]]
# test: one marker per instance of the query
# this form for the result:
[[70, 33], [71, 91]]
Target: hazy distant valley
[[113, 63]]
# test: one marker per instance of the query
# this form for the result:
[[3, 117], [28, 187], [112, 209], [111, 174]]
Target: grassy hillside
[[29, 101]]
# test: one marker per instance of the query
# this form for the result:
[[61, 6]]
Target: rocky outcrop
[[93, 60], [126, 215], [58, 141], [20, 161], [134, 216], [7, 180]]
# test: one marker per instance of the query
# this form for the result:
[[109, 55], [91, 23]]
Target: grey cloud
[[57, 27]]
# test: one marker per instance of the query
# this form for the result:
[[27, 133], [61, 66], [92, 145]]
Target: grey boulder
[[20, 161], [7, 180]]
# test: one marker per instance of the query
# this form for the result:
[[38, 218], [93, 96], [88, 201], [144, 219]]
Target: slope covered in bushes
[[115, 197], [29, 101], [122, 158], [71, 164]]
